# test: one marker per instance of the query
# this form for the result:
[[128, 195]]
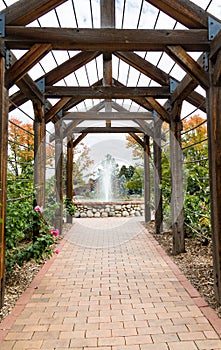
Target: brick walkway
[[110, 288]]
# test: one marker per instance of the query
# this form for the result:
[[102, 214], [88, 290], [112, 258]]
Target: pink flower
[[56, 251], [39, 209], [203, 207], [52, 230], [56, 232]]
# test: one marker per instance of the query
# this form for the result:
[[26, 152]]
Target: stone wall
[[104, 209]]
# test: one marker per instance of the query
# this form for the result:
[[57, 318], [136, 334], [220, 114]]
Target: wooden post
[[147, 178], [107, 21], [69, 175], [3, 171], [39, 153], [59, 174], [177, 200], [214, 143], [158, 176]]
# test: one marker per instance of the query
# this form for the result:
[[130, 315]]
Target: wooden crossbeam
[[108, 115], [106, 39], [106, 130], [105, 92]]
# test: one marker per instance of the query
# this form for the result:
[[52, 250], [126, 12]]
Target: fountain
[[107, 179]]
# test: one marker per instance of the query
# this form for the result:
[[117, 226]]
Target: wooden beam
[[147, 210], [56, 74], [79, 139], [146, 128], [108, 116], [177, 199], [137, 139], [3, 171], [39, 153], [29, 91], [59, 175], [25, 63], [214, 143], [185, 88], [156, 106], [144, 67], [67, 132], [217, 69], [185, 12], [157, 156], [69, 66], [215, 45], [26, 11], [190, 66], [107, 10], [106, 130], [56, 108], [69, 176], [106, 92], [106, 39]]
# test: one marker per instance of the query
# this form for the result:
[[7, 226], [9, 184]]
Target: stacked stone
[[103, 210]]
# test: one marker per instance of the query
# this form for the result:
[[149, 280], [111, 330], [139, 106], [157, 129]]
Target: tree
[[21, 145], [137, 149], [82, 164]]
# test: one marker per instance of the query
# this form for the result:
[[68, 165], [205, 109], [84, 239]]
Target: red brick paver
[[112, 287]]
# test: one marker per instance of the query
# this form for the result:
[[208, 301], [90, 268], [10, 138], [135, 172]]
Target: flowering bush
[[43, 242]]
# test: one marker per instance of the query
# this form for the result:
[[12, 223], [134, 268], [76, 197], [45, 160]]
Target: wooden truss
[[16, 33]]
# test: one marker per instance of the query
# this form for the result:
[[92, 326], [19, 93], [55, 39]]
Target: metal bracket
[[173, 85], [60, 113], [41, 85], [206, 61], [8, 59], [213, 27], [2, 25]]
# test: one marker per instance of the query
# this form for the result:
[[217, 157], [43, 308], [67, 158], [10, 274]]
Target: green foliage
[[51, 204], [135, 184], [20, 204], [38, 250], [70, 207]]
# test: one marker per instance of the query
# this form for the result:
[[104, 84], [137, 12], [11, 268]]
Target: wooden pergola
[[201, 34]]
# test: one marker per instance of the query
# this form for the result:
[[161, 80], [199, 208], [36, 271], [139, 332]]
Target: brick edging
[[199, 301]]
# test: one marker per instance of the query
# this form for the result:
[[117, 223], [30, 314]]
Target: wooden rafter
[[24, 12], [58, 73], [144, 67], [106, 39], [25, 63], [137, 139], [79, 139], [56, 108], [185, 87], [185, 12], [191, 67]]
